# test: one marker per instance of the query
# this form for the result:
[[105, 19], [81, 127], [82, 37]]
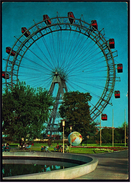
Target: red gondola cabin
[[104, 117], [8, 50], [4, 75], [119, 68], [94, 24], [71, 17], [111, 43], [46, 18], [117, 94], [23, 29]]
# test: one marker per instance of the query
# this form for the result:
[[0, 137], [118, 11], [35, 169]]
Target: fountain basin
[[88, 165]]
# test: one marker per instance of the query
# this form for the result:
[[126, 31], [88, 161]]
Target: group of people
[[60, 148], [45, 149], [5, 147], [24, 145]]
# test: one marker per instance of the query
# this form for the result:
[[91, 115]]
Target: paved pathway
[[111, 166]]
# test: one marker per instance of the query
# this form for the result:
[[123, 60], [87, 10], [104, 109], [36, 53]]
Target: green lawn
[[77, 150]]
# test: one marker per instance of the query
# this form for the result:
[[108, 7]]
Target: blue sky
[[112, 16]]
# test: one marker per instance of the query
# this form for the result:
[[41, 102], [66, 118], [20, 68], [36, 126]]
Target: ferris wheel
[[64, 54]]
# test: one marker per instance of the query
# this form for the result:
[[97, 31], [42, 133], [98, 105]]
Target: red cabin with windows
[[119, 68], [104, 117], [23, 29], [94, 24], [117, 94], [71, 17], [8, 50], [4, 75], [111, 43], [46, 18]]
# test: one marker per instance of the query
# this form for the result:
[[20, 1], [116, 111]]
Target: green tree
[[120, 133], [75, 109], [106, 135], [24, 111]]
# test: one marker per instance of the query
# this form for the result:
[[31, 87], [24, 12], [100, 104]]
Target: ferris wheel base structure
[[63, 24], [58, 79]]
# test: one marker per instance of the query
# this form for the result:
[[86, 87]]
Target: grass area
[[90, 149], [81, 150], [104, 145], [88, 145]]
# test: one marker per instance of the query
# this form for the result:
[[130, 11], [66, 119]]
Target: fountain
[[76, 165]]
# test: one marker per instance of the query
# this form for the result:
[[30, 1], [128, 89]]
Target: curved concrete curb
[[90, 164]]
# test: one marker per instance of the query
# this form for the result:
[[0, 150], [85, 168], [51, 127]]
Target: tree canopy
[[24, 111], [119, 134], [75, 109]]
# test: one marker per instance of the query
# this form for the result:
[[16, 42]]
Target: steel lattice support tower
[[57, 79]]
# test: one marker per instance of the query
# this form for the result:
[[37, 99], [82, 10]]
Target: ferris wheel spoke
[[90, 84], [26, 67], [36, 63], [94, 67], [68, 45], [33, 75], [86, 57], [35, 54], [80, 60], [87, 90], [38, 81], [84, 52], [73, 53], [88, 69], [54, 49], [63, 49], [59, 48], [48, 51], [75, 47], [75, 89], [95, 61], [74, 43], [34, 68], [96, 70], [46, 84], [69, 84], [44, 57], [87, 78], [80, 53]]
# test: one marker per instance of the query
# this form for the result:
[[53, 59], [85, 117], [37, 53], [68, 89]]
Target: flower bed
[[101, 148]]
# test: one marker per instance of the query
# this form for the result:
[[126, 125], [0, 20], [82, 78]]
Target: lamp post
[[112, 127], [63, 124], [125, 127], [70, 129], [100, 128]]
